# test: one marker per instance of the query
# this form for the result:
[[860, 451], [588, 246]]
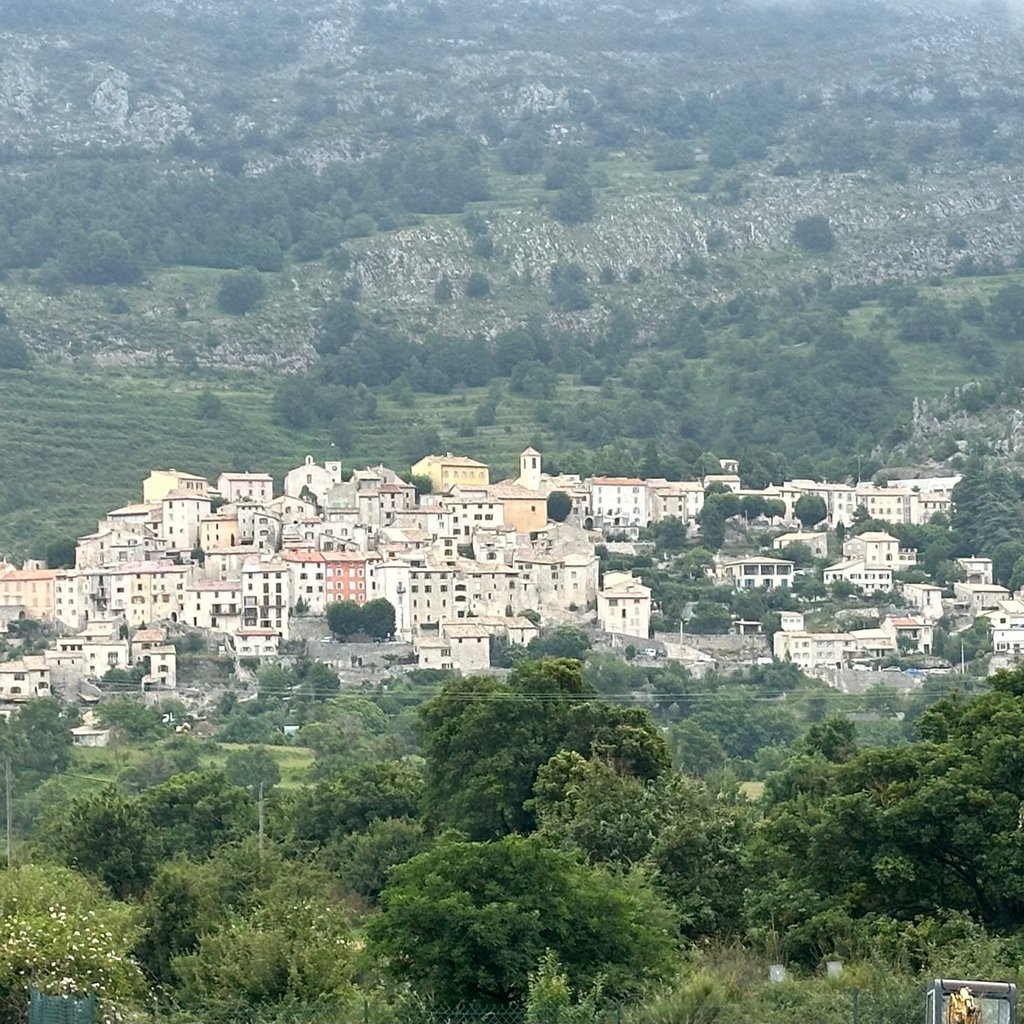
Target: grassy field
[[103, 765], [80, 443]]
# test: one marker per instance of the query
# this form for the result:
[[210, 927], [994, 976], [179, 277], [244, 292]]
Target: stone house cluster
[[462, 565]]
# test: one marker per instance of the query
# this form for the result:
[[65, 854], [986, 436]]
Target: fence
[[43, 1009]]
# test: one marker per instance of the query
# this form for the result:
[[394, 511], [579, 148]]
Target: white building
[[916, 634], [856, 571], [310, 478], [181, 516], [755, 571], [266, 596], [977, 570], [624, 606], [925, 599], [619, 501], [1008, 629], [879, 551]]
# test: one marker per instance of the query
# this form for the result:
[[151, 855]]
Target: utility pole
[[260, 807], [7, 780]]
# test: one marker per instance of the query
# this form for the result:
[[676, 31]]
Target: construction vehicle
[[970, 1002]]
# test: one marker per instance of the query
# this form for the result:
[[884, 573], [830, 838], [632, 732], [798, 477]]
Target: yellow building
[[446, 471], [525, 510], [32, 588], [161, 482], [218, 531]]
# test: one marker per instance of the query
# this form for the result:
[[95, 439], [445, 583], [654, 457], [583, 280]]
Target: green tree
[[379, 618], [917, 829], [1006, 311], [107, 836], [133, 720], [814, 234], [467, 922], [208, 405], [810, 510], [363, 860], [484, 741], [561, 642], [709, 617], [240, 292], [14, 353], [443, 290], [64, 937], [252, 769], [575, 204], [477, 286], [345, 618], [37, 738], [105, 258], [559, 506], [294, 949]]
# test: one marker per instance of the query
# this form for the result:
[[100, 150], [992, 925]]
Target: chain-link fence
[[43, 1009]]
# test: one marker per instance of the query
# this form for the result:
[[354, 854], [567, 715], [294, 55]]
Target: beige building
[[624, 606], [447, 471], [524, 510], [219, 530], [162, 482], [142, 592], [975, 599], [675, 499], [257, 643], [817, 542], [112, 545], [144, 516], [462, 646], [916, 634], [33, 589], [812, 652], [24, 678], [257, 487]]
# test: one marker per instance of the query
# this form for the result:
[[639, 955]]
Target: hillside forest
[[788, 234]]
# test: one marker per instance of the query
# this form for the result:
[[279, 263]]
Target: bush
[[240, 292], [814, 234], [478, 286]]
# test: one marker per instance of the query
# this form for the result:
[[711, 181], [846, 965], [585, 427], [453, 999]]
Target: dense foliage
[[508, 834]]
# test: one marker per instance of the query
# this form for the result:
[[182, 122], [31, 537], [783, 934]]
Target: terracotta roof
[[616, 481], [506, 490], [30, 574]]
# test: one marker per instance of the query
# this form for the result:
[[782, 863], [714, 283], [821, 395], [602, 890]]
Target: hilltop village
[[443, 569]]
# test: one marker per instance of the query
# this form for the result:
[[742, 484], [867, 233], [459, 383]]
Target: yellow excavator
[[970, 1002]]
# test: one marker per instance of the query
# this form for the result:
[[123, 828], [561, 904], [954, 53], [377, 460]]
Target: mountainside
[[630, 232]]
